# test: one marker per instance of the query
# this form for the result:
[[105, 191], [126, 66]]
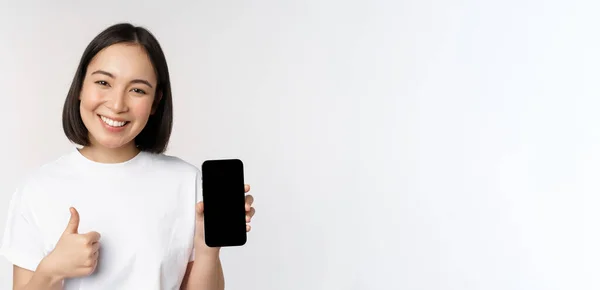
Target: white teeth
[[112, 123]]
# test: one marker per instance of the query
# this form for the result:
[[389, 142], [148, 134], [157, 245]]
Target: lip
[[114, 119], [110, 128]]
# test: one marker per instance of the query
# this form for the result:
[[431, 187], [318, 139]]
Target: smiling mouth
[[113, 123]]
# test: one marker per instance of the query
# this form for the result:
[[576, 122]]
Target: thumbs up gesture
[[75, 254]]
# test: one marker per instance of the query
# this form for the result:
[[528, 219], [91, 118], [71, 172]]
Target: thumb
[[73, 224]]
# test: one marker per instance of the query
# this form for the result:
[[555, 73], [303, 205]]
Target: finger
[[91, 237], [93, 251], [246, 187], [73, 225], [250, 214], [90, 264], [200, 208], [248, 228], [249, 201], [95, 247]]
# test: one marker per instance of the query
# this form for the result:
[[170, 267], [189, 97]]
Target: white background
[[390, 144]]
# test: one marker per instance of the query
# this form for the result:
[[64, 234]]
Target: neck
[[109, 155]]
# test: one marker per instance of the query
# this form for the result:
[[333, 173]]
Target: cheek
[[142, 109], [89, 99]]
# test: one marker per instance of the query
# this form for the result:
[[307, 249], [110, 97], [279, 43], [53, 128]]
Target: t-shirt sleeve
[[21, 242], [198, 193]]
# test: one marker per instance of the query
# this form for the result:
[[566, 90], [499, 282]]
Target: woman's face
[[117, 95]]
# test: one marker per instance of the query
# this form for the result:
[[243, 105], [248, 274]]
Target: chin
[[111, 143]]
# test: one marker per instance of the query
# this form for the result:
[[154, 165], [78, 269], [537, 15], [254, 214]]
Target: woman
[[116, 213]]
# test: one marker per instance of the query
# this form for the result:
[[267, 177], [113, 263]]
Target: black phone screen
[[224, 203]]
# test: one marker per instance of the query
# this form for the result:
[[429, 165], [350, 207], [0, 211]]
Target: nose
[[118, 102]]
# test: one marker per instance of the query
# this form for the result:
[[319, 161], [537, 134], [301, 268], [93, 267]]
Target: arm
[[24, 279], [75, 255], [205, 273]]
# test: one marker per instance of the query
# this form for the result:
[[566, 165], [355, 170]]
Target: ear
[[157, 99]]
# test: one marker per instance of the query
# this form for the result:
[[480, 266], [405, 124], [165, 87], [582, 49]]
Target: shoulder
[[174, 163], [37, 178], [57, 166]]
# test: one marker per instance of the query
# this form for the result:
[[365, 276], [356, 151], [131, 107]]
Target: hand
[[75, 254], [199, 241]]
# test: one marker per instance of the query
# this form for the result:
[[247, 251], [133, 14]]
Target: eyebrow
[[136, 81]]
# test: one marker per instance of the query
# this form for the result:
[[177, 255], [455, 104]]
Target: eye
[[139, 91], [102, 83]]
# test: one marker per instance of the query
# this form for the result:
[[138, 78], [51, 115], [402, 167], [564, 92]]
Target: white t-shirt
[[144, 210]]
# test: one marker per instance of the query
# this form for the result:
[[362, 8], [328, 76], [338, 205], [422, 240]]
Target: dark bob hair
[[155, 135]]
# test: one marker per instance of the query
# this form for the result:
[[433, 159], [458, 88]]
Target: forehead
[[124, 60]]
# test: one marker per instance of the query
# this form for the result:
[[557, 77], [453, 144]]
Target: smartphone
[[224, 203]]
